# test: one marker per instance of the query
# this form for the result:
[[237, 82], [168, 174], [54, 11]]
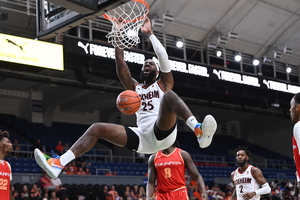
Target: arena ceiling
[[262, 27]]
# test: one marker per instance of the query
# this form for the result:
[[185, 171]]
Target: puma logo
[[13, 43], [85, 47], [218, 73]]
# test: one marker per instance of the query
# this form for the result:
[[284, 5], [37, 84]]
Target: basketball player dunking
[[247, 179], [295, 116], [5, 169], [156, 119], [166, 168]]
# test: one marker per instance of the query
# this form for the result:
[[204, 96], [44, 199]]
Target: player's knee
[[97, 129]]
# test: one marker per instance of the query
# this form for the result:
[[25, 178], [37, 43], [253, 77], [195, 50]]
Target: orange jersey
[[5, 177], [170, 171]]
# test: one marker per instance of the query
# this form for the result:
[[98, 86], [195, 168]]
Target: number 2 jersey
[[170, 171], [5, 178], [245, 183], [151, 98]]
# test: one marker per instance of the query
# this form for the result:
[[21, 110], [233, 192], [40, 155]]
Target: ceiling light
[[157, 23], [179, 44], [233, 35], [218, 53], [275, 105], [238, 57], [255, 62], [222, 40], [287, 50], [277, 54], [168, 17]]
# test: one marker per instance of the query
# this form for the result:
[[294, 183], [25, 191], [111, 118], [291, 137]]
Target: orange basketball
[[128, 102]]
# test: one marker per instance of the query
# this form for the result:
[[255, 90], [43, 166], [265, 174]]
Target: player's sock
[[67, 157], [191, 122]]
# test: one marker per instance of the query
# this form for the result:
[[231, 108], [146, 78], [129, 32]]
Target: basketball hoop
[[126, 20]]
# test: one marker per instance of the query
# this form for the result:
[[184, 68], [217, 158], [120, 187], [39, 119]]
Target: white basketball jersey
[[245, 183], [151, 98]]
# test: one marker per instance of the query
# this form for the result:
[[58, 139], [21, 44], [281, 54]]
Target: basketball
[[128, 102]]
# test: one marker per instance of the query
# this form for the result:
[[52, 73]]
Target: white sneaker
[[52, 166], [209, 127]]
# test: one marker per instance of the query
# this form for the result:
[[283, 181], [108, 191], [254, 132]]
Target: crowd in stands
[[54, 189], [78, 166], [283, 190]]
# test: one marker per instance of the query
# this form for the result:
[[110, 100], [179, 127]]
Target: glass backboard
[[53, 19]]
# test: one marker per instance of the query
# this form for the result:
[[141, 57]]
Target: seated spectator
[[228, 195], [80, 162], [69, 169], [136, 191], [59, 148], [46, 184], [16, 149], [87, 171], [32, 197], [104, 194], [108, 173], [36, 190], [57, 182], [127, 188], [127, 196], [73, 165], [53, 196], [142, 193], [38, 144], [196, 194], [80, 171], [114, 193], [66, 147], [46, 196], [15, 195], [25, 191]]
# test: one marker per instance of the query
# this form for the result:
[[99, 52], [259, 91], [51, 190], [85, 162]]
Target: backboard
[[56, 16]]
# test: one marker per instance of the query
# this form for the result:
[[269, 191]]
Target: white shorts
[[148, 143]]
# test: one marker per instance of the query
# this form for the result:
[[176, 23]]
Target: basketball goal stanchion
[[126, 20]]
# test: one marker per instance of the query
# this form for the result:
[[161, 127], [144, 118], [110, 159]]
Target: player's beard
[[149, 77], [243, 163]]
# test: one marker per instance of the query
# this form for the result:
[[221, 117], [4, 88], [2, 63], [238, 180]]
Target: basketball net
[[126, 20]]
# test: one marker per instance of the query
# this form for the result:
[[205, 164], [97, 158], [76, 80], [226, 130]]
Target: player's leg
[[172, 106], [113, 133]]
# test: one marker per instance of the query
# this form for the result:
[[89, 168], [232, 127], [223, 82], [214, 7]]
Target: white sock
[[191, 122], [67, 157]]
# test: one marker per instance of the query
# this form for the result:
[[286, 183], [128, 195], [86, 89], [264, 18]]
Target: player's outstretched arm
[[166, 76], [150, 188], [123, 71], [190, 165]]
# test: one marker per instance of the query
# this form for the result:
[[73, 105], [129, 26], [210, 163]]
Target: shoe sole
[[209, 127], [42, 162]]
